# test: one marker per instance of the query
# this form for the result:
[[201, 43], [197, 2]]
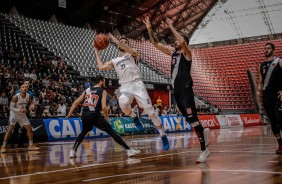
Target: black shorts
[[186, 104], [90, 119]]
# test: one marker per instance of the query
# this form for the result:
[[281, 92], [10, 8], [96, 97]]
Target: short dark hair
[[98, 79], [124, 38], [271, 44]]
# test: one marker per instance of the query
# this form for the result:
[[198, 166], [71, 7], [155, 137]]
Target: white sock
[[30, 143], [162, 133], [4, 143], [132, 114]]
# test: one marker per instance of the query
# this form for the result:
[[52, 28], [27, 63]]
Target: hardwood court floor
[[238, 155]]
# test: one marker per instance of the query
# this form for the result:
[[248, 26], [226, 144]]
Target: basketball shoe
[[203, 156], [132, 152], [165, 143]]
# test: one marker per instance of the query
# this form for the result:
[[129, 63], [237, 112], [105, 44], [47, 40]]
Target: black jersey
[[93, 99], [181, 71], [275, 81]]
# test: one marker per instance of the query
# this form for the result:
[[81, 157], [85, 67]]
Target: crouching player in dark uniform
[[94, 101]]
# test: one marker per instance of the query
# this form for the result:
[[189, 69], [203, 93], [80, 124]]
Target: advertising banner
[[175, 124], [226, 121], [209, 121], [38, 128], [125, 126], [251, 119], [68, 129]]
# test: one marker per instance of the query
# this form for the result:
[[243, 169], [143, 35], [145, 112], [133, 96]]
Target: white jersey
[[21, 104], [126, 69]]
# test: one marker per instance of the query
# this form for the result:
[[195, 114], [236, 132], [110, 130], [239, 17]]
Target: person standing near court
[[270, 87], [182, 83]]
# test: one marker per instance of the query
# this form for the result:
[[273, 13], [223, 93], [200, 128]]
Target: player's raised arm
[[154, 39], [102, 66], [180, 40], [133, 52]]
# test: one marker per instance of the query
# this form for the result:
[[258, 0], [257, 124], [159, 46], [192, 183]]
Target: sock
[[200, 133], [161, 131], [4, 143], [30, 142], [279, 140], [132, 114]]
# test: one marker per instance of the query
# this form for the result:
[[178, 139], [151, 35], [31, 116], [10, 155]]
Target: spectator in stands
[[182, 82], [32, 109], [2, 84], [87, 84], [1, 72], [270, 86], [159, 102], [164, 111], [113, 102], [15, 83], [56, 76], [33, 76], [10, 90], [7, 75], [61, 109], [20, 74], [46, 81], [172, 109], [157, 109], [4, 103], [26, 74], [54, 63]]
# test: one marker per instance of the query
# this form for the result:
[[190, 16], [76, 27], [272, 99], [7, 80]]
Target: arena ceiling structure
[[118, 15], [240, 19]]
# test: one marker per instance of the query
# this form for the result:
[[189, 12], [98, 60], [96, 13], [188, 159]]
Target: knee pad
[[150, 111]]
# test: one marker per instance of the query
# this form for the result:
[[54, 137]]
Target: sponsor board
[[209, 121], [126, 126], [38, 128], [251, 119], [175, 124], [229, 121], [68, 129]]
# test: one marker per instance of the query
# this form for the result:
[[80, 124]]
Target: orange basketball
[[101, 42]]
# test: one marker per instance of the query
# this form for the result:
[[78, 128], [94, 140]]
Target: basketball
[[101, 42]]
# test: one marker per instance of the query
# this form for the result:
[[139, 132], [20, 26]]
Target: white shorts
[[136, 90], [22, 120]]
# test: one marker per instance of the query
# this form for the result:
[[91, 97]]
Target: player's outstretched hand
[[147, 23], [169, 22]]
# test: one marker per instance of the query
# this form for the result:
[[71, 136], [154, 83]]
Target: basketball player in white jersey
[[18, 115], [131, 85]]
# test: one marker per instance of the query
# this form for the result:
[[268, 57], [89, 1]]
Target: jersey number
[[92, 100]]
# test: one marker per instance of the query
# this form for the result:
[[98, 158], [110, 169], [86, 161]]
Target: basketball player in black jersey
[[94, 100], [270, 86], [182, 82]]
